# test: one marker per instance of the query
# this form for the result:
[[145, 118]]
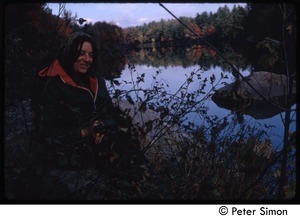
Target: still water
[[173, 76]]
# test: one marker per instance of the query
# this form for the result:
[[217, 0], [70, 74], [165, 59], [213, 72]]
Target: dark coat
[[65, 107]]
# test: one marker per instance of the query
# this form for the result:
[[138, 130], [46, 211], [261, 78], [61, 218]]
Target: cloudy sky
[[132, 14]]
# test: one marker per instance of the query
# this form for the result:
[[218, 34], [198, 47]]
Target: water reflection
[[111, 62], [258, 109], [176, 64], [201, 55]]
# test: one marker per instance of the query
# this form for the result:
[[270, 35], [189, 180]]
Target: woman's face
[[85, 58]]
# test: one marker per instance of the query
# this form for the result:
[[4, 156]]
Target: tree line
[[33, 37]]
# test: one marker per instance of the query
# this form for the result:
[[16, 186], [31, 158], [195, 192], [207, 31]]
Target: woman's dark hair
[[70, 51]]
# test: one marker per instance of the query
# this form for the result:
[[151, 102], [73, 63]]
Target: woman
[[78, 121]]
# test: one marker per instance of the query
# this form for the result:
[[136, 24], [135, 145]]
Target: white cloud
[[144, 19]]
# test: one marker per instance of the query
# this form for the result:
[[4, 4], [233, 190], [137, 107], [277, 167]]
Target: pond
[[171, 70]]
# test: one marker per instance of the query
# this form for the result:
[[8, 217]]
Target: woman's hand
[[85, 132], [96, 130], [98, 137]]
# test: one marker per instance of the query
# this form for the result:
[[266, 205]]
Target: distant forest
[[189, 161], [33, 36]]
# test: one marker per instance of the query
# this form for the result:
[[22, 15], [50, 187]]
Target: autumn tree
[[109, 38], [31, 39]]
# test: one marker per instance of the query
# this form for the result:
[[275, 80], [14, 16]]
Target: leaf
[[143, 106], [129, 99], [123, 129], [149, 125], [212, 79], [289, 29], [116, 82]]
